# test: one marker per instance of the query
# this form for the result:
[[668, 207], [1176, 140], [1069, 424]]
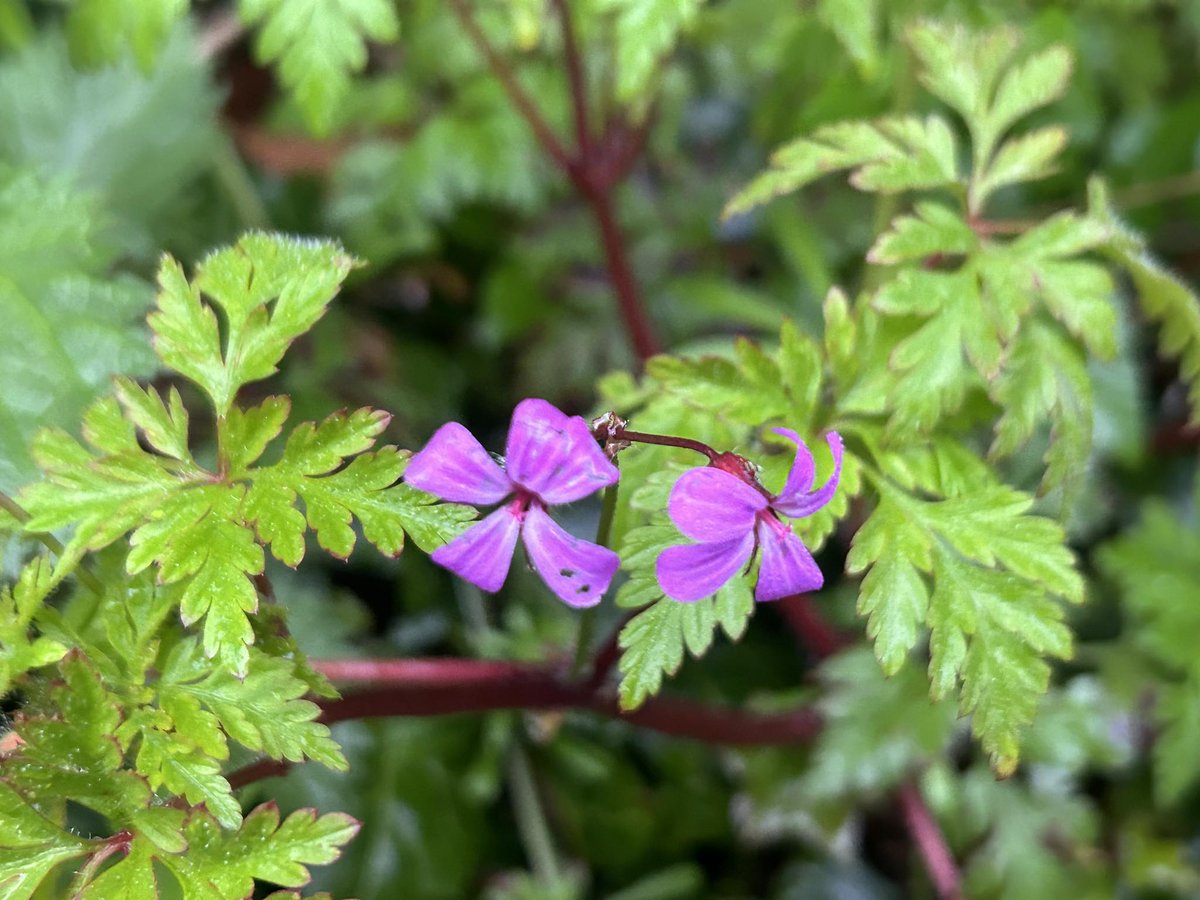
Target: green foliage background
[[963, 234]]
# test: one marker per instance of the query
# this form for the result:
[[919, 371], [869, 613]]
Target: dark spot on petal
[[567, 573], [584, 589]]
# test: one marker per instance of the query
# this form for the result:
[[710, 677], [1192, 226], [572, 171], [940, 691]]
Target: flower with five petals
[[731, 516], [550, 458]]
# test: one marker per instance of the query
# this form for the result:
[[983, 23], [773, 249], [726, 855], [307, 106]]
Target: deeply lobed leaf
[[994, 570], [318, 44]]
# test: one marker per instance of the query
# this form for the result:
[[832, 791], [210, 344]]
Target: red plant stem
[[1175, 436], [624, 148], [930, 844], [578, 82], [587, 174], [257, 771], [664, 440], [641, 332], [808, 624], [607, 656], [430, 687], [524, 103]]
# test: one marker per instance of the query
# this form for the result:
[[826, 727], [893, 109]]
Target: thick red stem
[[810, 626], [590, 177], [524, 103], [429, 687], [578, 81], [637, 324]]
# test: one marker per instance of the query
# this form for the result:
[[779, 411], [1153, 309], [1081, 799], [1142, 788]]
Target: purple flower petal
[[794, 500], [483, 553], [578, 571], [455, 467], [692, 572], [710, 504], [554, 455], [800, 478], [787, 567]]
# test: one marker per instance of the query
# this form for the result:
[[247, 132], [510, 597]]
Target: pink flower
[[551, 458], [731, 517]]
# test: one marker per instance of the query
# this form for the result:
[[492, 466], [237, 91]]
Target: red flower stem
[[665, 440], [637, 324], [589, 176], [508, 80], [810, 626], [578, 81], [939, 862], [430, 687], [257, 771], [625, 146], [607, 656]]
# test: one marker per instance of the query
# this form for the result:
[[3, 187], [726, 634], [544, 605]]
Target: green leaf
[[201, 529], [31, 846], [218, 863], [990, 630], [1036, 82], [644, 32], [1159, 607], [247, 432], [970, 71], [932, 377], [165, 428], [101, 31], [200, 535], [1011, 828], [66, 329], [131, 876], [75, 752], [1163, 296], [877, 730], [1026, 158], [1046, 376], [1177, 746], [318, 45], [893, 595], [856, 25], [935, 229], [981, 307], [962, 67], [841, 338], [263, 711], [271, 289], [21, 651], [994, 570], [889, 155], [188, 773], [150, 135], [364, 489], [653, 642], [104, 497], [938, 467]]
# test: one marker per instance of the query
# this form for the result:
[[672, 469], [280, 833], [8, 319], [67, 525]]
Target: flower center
[[770, 518], [521, 502]]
